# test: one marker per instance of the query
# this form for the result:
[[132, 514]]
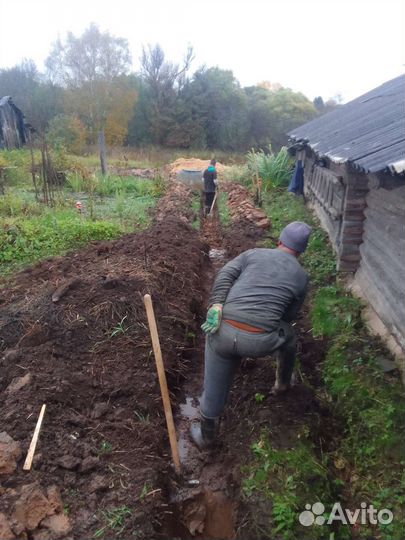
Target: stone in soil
[[10, 453]]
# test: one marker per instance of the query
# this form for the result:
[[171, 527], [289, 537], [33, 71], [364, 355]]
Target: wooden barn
[[354, 163], [13, 131]]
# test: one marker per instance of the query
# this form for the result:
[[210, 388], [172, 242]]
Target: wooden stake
[[31, 450], [162, 381]]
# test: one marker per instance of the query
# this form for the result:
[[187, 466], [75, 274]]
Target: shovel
[[162, 382]]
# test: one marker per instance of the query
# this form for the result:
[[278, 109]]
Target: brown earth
[[74, 336]]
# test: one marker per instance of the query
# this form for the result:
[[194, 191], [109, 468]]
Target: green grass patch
[[371, 406], [223, 208], [288, 478], [334, 312], [26, 240]]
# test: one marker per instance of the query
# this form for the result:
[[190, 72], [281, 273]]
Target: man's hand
[[213, 319]]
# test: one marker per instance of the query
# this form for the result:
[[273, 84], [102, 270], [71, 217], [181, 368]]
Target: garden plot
[[75, 336]]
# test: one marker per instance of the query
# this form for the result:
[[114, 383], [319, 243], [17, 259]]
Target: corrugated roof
[[368, 132]]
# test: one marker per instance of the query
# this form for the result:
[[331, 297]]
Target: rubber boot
[[204, 433]]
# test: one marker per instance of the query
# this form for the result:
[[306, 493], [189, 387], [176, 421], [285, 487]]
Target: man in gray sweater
[[254, 299]]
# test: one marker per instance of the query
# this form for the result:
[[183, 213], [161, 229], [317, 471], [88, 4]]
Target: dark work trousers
[[209, 199], [225, 349]]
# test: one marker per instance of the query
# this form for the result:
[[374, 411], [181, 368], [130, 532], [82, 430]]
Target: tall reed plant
[[275, 170]]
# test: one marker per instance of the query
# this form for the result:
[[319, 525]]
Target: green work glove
[[213, 320]]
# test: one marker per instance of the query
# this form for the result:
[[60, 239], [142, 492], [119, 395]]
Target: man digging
[[210, 186], [254, 299]]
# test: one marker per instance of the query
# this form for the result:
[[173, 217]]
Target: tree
[[288, 110], [67, 131], [260, 116], [164, 81], [90, 67], [219, 105]]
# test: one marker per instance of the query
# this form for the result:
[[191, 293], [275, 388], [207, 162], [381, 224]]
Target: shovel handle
[[162, 381], [213, 202]]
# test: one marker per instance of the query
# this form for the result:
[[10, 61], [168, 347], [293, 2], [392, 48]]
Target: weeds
[[105, 447], [120, 328], [24, 240], [147, 488], [143, 418], [223, 209], [334, 312], [287, 477], [115, 520]]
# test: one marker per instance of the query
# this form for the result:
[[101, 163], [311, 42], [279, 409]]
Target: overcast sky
[[318, 47]]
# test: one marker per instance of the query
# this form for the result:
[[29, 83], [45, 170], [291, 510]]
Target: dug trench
[[210, 504], [74, 335]]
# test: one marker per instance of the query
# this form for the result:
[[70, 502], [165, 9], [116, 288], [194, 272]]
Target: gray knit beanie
[[296, 235]]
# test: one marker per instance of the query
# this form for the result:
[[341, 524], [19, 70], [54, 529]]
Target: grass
[[154, 156], [224, 214], [371, 407], [287, 477], [121, 328], [367, 405], [114, 521], [105, 447], [31, 231], [24, 240], [110, 184]]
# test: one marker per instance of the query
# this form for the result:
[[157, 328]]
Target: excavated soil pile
[[191, 164], [249, 224], [74, 335]]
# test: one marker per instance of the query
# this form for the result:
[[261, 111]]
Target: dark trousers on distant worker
[[208, 199], [225, 349]]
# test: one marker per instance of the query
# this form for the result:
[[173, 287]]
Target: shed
[[13, 130], [354, 165]]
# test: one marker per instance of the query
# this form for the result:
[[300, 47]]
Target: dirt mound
[[192, 164], [241, 206], [74, 328]]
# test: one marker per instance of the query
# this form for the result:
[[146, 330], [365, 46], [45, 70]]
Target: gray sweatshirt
[[260, 287]]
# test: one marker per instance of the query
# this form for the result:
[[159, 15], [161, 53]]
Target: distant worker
[[254, 299], [210, 185]]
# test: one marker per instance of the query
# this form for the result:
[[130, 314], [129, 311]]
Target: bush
[[12, 205], [15, 166]]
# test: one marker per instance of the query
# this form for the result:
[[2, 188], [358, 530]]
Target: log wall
[[381, 273], [326, 192]]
